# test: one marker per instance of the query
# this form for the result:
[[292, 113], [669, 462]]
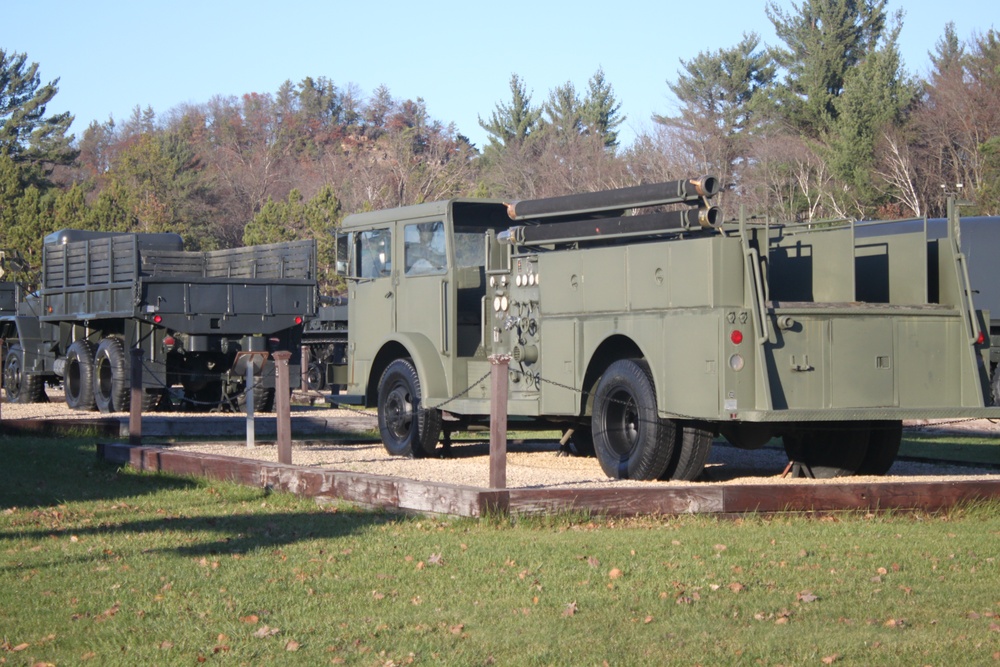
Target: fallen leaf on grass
[[736, 587], [570, 609], [266, 631], [20, 647], [166, 644], [251, 619], [647, 620], [807, 597], [292, 645], [830, 659], [615, 573], [456, 629]]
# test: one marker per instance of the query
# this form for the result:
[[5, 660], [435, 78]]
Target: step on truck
[[644, 332], [198, 318]]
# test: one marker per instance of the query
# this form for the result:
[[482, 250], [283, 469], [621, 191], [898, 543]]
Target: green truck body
[[645, 341]]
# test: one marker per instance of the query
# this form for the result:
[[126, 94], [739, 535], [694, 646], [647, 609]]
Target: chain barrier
[[226, 400]]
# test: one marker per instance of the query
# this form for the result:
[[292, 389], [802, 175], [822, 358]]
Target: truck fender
[[426, 359]]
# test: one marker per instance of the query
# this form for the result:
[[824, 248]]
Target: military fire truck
[[644, 332]]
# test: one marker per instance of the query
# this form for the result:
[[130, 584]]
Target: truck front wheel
[[79, 379], [630, 440], [406, 428], [111, 386], [21, 387]]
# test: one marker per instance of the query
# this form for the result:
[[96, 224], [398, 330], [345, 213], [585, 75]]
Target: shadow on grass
[[218, 534], [44, 471]]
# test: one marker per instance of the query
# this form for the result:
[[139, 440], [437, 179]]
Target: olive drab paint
[[748, 329]]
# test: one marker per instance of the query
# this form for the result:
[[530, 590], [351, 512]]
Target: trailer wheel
[[315, 378], [693, 447], [831, 449], [79, 379], [21, 387], [407, 429], [111, 386], [883, 446], [630, 440]]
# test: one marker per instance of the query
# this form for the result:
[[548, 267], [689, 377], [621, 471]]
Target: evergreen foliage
[[26, 134]]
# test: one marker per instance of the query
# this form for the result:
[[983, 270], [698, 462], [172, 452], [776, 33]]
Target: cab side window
[[423, 248], [373, 252]]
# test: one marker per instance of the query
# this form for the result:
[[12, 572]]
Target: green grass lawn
[[111, 567]]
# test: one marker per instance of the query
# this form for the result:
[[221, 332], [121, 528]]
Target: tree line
[[828, 123]]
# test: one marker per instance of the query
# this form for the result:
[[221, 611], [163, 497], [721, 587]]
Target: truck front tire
[[406, 428], [630, 440], [79, 379], [21, 387]]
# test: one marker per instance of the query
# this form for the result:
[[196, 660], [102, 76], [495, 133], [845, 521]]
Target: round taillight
[[157, 319], [736, 336], [169, 341], [981, 339], [298, 319]]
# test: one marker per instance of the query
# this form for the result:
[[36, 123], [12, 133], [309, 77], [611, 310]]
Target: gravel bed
[[530, 464]]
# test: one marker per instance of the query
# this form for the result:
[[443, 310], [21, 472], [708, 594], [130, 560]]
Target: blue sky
[[459, 56]]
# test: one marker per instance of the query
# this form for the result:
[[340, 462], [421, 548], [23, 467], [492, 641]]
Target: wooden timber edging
[[408, 495]]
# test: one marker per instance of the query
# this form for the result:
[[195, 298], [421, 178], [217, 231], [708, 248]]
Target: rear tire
[[406, 428], [831, 449], [111, 386], [78, 380], [21, 387], [630, 439], [883, 446], [694, 445]]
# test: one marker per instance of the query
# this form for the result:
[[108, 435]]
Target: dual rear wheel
[[631, 440], [98, 378]]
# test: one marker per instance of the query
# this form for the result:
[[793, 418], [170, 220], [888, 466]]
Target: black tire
[[21, 387], [406, 428], [263, 398], [831, 449], [112, 392], [630, 440], [315, 378], [883, 446], [693, 448], [78, 381]]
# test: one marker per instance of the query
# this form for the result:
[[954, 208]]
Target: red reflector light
[[736, 337], [298, 319], [169, 341], [157, 319], [981, 339]]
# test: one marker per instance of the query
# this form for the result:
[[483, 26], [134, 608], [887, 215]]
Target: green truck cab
[[644, 332]]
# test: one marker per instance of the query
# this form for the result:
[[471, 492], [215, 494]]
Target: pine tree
[[824, 40], [563, 111], [26, 134], [600, 112], [512, 123], [719, 96]]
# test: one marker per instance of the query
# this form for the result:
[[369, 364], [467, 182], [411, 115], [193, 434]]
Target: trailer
[[643, 331], [197, 319]]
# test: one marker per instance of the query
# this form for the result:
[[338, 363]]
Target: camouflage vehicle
[[191, 313], [645, 332]]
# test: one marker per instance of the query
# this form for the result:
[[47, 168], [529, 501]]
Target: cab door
[[371, 302], [424, 291]]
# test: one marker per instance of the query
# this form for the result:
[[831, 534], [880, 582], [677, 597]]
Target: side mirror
[[343, 263]]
